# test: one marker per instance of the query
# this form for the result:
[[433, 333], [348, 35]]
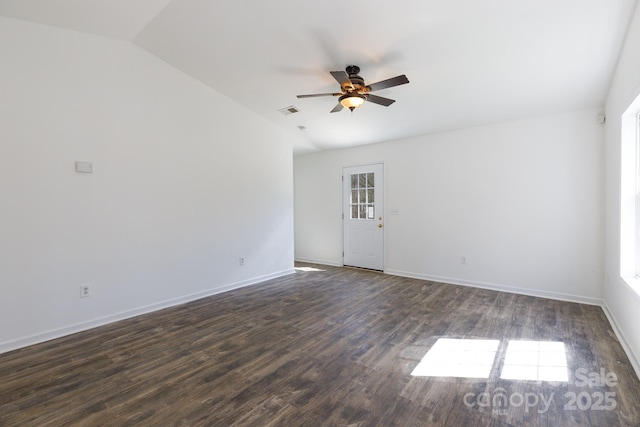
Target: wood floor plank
[[325, 347]]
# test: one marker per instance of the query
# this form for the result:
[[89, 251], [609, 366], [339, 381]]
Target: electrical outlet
[[241, 262], [463, 260], [85, 291]]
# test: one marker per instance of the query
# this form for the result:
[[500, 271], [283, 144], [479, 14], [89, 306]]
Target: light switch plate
[[84, 167]]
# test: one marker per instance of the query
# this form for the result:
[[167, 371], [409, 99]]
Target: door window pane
[[362, 196]]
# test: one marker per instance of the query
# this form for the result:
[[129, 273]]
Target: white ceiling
[[469, 62]]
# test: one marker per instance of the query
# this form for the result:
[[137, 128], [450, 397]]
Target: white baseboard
[[502, 288], [93, 323], [635, 363]]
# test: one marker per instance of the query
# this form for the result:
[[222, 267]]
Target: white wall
[[622, 302], [185, 182], [521, 200]]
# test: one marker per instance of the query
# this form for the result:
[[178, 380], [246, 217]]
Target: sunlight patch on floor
[[535, 361], [468, 358], [307, 269]]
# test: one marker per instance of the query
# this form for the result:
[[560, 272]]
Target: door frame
[[380, 213]]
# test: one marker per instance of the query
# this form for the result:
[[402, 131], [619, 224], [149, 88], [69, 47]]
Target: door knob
[[379, 225]]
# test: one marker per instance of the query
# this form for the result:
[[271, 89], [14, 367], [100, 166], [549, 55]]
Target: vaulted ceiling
[[469, 62]]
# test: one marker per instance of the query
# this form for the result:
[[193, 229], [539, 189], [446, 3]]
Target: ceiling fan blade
[[314, 95], [337, 108], [394, 81], [342, 78], [379, 100]]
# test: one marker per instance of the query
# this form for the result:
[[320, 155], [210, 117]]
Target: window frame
[[630, 196], [637, 197]]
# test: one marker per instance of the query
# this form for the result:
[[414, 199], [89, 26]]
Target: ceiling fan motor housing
[[352, 70], [357, 82]]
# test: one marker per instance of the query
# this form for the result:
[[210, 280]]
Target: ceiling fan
[[355, 92]]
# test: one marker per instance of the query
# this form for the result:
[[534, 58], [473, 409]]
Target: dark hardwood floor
[[324, 348]]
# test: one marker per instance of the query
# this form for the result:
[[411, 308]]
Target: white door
[[363, 216]]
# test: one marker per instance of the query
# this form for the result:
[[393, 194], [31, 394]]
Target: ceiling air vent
[[289, 110]]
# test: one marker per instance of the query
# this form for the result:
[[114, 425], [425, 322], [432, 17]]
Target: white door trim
[[363, 237]]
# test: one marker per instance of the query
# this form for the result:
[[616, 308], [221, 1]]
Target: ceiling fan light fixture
[[353, 90], [352, 100]]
